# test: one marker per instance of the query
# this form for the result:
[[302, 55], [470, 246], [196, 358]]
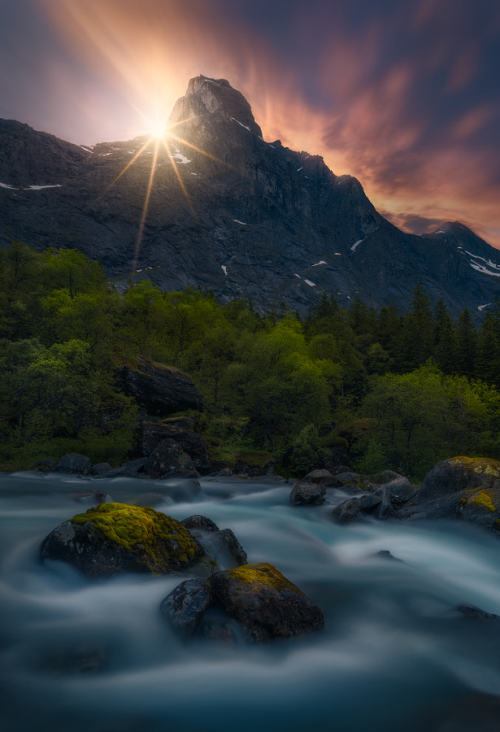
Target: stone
[[460, 487], [475, 613], [159, 389], [186, 605], [221, 544], [265, 603], [199, 522], [355, 508], [152, 434], [307, 493], [113, 538], [168, 459], [318, 476], [73, 462], [100, 469]]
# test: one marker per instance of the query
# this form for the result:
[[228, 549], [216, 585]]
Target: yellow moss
[[263, 574], [481, 498], [483, 466], [159, 539]]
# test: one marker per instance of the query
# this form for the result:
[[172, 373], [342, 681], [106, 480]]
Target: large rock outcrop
[[159, 389], [113, 538]]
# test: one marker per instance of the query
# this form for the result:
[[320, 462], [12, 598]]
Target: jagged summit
[[207, 97], [251, 219]]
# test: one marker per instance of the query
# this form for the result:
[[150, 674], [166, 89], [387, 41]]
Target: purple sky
[[403, 94]]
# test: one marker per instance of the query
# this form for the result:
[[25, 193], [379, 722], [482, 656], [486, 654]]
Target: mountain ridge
[[258, 220]]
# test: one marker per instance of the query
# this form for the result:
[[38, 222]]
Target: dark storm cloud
[[401, 93]]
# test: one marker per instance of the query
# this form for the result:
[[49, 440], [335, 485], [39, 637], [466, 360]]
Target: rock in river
[[263, 602], [305, 493], [114, 537]]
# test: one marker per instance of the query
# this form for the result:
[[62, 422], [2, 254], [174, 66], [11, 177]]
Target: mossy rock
[[264, 602], [113, 538]]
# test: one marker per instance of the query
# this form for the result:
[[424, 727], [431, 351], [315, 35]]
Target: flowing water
[[395, 654]]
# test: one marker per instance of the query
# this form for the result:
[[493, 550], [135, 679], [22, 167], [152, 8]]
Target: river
[[395, 654]]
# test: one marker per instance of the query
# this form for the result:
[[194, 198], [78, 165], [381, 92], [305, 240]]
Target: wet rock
[[132, 469], [73, 462], [221, 544], [475, 613], [152, 434], [264, 602], [168, 459], [386, 554], [319, 476], [186, 605], [357, 507], [199, 522], [161, 390], [100, 469], [461, 487], [341, 479], [114, 538], [181, 489], [307, 493]]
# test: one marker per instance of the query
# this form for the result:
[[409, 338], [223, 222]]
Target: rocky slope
[[255, 220]]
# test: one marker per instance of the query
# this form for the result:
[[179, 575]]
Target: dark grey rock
[[354, 508], [307, 494], [186, 605], [73, 462], [159, 389], [152, 434], [319, 476], [199, 522], [475, 613]]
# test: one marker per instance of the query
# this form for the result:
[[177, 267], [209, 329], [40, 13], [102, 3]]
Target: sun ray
[[179, 178], [128, 165], [197, 149], [142, 223]]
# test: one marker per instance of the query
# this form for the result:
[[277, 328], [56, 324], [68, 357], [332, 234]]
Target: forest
[[376, 388]]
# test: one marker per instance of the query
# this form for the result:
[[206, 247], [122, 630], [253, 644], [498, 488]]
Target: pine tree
[[465, 361]]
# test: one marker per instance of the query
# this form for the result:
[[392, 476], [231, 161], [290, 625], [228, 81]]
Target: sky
[[402, 94]]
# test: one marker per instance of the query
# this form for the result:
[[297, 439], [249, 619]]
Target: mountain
[[255, 219]]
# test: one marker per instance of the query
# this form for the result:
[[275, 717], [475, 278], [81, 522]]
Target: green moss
[[263, 575], [483, 466], [160, 540]]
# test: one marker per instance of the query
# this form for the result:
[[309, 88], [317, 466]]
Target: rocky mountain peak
[[206, 97]]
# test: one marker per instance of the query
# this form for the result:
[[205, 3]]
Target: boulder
[[355, 508], [460, 487], [114, 538], [100, 469], [199, 522], [186, 605], [168, 459], [306, 493], [322, 476], [221, 544], [475, 613], [151, 434], [254, 598], [73, 462], [159, 389], [264, 602]]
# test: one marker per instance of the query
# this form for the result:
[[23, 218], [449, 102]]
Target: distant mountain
[[261, 221]]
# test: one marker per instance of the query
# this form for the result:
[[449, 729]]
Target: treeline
[[379, 388]]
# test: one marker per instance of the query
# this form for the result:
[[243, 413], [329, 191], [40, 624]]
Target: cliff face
[[255, 219]]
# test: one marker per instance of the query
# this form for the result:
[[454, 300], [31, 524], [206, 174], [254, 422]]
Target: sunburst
[[160, 134]]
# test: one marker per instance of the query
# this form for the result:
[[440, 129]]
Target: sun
[[158, 130]]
